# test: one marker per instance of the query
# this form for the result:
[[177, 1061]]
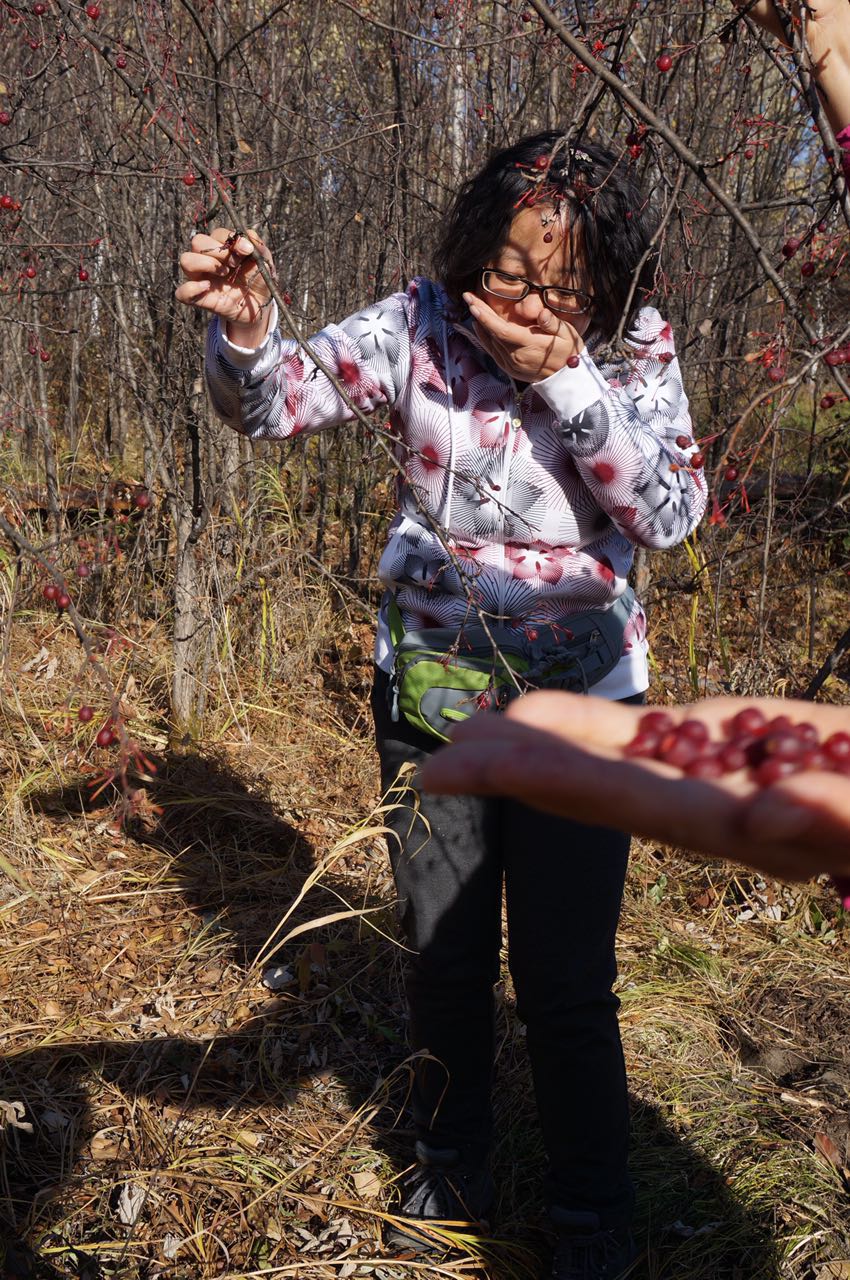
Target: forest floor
[[182, 1100]]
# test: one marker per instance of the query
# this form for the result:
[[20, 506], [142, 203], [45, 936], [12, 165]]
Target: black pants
[[564, 886]]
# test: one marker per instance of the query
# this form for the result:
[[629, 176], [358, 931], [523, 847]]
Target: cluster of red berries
[[696, 460], [106, 736], [56, 595], [768, 749], [841, 355], [8, 202]]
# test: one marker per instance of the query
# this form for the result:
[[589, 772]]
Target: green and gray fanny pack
[[441, 676]]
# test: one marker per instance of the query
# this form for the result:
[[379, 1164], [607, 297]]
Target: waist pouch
[[441, 676]]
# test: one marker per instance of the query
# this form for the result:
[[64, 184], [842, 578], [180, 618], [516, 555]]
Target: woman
[[530, 471]]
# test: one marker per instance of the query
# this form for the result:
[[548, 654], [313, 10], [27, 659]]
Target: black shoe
[[442, 1192], [583, 1251]]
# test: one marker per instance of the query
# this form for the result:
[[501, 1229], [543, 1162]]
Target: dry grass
[[180, 1119]]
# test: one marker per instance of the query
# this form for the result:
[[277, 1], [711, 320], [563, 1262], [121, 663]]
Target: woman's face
[[527, 253]]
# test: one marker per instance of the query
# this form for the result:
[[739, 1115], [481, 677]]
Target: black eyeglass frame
[[542, 289]]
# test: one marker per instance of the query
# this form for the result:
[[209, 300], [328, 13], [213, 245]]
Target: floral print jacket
[[540, 492]]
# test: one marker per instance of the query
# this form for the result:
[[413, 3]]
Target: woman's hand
[[222, 277], [529, 353], [563, 752]]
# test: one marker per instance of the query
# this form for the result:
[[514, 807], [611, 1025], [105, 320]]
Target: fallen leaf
[[52, 1009], [839, 1270], [367, 1183], [244, 147], [104, 1146], [43, 655], [827, 1148], [12, 1114], [171, 1245], [250, 1138], [130, 1203]]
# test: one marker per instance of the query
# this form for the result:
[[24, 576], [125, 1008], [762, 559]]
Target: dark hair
[[608, 216]]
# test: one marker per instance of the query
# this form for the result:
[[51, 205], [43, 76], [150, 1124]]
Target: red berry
[[644, 743], [287, 298], [105, 737], [635, 151], [5, 117], [50, 591], [749, 153], [827, 402], [696, 461], [683, 442], [834, 358], [666, 357], [142, 500], [85, 714], [774, 769], [189, 179], [82, 274], [573, 361], [678, 750], [39, 10], [731, 474], [664, 63], [807, 733], [43, 356], [30, 272], [808, 268], [63, 600], [527, 15], [837, 747], [779, 724], [542, 162], [633, 138], [791, 246], [775, 373], [32, 348], [814, 758], [120, 62], [733, 757], [750, 720], [694, 731], [655, 722], [93, 11], [705, 767], [6, 202], [83, 570], [783, 746]]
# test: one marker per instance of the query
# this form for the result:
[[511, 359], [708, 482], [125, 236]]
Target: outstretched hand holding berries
[[572, 754], [222, 277]]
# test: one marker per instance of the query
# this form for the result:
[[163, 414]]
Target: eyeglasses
[[502, 284]]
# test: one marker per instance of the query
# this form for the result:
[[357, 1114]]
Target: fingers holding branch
[[222, 275]]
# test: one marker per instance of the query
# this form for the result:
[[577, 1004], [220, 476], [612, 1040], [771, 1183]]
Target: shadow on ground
[[239, 867]]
